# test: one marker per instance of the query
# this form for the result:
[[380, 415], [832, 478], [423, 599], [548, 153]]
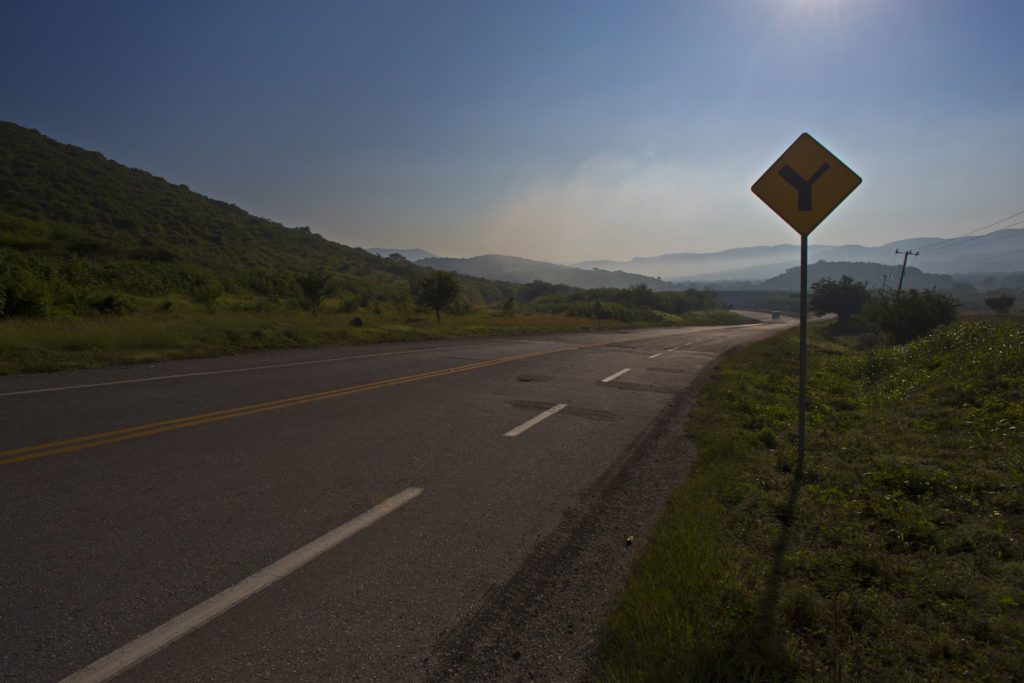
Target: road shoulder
[[545, 622]]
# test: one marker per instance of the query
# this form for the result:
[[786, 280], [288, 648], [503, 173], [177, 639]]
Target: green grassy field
[[190, 331], [893, 554]]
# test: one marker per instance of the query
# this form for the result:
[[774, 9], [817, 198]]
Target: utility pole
[[885, 277], [903, 268]]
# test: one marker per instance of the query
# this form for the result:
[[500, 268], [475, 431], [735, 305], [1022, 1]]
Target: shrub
[[22, 294], [348, 304], [602, 310], [458, 307], [914, 314], [112, 304], [868, 340], [1000, 304], [206, 290]]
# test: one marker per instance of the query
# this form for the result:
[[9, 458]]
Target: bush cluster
[[638, 302], [22, 293], [911, 315]]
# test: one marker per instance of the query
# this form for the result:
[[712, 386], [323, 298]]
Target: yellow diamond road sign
[[805, 184]]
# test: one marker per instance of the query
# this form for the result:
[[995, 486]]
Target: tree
[[844, 298], [642, 296], [316, 286], [1000, 304], [438, 290]]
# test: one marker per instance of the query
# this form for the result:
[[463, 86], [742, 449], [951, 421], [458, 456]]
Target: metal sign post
[[803, 186], [802, 402]]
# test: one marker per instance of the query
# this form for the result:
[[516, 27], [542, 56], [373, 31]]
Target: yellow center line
[[15, 455]]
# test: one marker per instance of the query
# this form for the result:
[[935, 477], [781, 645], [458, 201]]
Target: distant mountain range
[[521, 270], [768, 267], [999, 251]]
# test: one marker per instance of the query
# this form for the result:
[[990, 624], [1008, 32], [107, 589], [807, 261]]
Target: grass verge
[[894, 553], [62, 343]]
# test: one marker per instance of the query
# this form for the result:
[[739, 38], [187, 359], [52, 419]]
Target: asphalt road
[[133, 495]]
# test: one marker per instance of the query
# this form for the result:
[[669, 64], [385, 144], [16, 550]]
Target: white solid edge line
[[655, 355], [129, 655], [535, 420], [620, 373]]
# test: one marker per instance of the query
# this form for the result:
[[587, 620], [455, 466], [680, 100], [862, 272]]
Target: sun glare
[[821, 9], [837, 16]]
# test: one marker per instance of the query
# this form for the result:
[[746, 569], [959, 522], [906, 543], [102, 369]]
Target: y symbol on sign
[[802, 185]]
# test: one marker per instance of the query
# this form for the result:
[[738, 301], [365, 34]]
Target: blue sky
[[555, 130]]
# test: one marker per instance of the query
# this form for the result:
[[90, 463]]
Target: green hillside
[[102, 264], [75, 226]]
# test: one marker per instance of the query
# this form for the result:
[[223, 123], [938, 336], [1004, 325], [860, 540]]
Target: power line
[[966, 241], [976, 230], [992, 258], [1018, 233]]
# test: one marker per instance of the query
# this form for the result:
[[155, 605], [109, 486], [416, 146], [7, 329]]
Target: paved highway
[[338, 513]]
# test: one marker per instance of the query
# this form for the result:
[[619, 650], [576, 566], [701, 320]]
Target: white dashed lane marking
[[618, 374], [532, 422]]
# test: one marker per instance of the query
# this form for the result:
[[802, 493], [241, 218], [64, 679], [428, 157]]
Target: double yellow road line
[[80, 443]]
